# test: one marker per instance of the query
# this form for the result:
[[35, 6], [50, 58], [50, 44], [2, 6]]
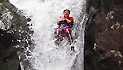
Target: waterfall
[[44, 15]]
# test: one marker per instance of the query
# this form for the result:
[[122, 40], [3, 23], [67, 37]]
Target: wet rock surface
[[15, 36], [104, 35]]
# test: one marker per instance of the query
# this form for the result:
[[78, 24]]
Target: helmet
[[66, 10]]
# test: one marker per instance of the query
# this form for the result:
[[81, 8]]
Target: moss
[[10, 63]]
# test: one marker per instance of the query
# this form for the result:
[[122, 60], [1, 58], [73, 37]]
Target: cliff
[[104, 35], [14, 35]]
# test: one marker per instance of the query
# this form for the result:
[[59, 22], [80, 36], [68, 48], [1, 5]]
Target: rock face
[[14, 36], [104, 35]]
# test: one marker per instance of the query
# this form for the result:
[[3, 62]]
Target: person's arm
[[72, 20], [69, 20], [60, 20]]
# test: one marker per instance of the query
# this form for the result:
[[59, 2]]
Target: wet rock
[[104, 35], [28, 19], [14, 36]]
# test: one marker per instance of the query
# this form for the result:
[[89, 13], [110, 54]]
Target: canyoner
[[44, 54], [65, 24]]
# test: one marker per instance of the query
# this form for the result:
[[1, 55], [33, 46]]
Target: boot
[[72, 48]]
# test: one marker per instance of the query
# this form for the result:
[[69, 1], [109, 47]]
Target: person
[[65, 24]]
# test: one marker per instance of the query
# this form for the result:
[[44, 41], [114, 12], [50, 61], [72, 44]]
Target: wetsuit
[[65, 26]]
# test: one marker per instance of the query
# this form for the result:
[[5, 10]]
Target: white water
[[44, 15]]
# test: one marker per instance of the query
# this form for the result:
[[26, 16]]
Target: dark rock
[[1, 1], [13, 37], [104, 35], [8, 53], [28, 19]]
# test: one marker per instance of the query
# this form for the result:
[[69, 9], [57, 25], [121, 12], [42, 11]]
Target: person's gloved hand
[[61, 19], [68, 20]]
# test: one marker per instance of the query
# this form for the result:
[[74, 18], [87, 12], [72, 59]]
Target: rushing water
[[44, 15]]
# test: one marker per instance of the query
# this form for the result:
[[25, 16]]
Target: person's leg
[[59, 31], [58, 38], [67, 32]]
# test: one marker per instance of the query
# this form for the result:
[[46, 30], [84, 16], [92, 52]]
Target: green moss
[[10, 63]]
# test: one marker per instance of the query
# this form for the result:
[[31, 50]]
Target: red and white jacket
[[61, 18]]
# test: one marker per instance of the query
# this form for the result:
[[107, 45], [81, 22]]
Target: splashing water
[[44, 14]]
